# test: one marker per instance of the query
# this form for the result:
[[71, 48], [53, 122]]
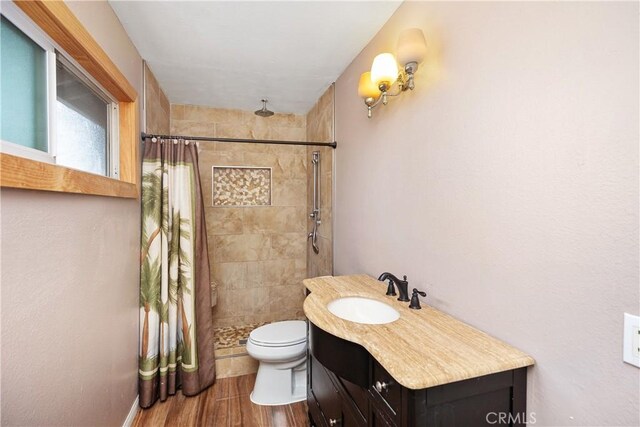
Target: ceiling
[[230, 54]]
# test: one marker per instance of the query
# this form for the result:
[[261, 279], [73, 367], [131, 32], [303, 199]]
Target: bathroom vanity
[[424, 369]]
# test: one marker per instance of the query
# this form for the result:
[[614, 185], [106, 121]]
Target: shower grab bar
[[315, 213]]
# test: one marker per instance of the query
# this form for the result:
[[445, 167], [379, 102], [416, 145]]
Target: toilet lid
[[279, 334]]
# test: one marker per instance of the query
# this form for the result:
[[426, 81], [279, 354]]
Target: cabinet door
[[473, 402], [349, 419], [386, 393], [378, 419], [356, 398], [325, 394]]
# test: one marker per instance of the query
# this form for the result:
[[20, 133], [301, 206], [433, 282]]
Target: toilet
[[281, 349]]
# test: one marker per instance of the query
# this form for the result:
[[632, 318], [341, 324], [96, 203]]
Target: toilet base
[[280, 383]]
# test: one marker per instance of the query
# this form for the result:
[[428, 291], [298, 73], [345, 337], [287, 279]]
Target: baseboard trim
[[132, 413]]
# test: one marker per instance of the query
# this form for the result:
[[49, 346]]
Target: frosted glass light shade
[[366, 88], [384, 69], [412, 46]]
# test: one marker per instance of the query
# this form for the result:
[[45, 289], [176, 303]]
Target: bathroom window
[[86, 122], [23, 78], [51, 110]]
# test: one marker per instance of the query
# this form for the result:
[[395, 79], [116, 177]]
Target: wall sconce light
[[376, 85]]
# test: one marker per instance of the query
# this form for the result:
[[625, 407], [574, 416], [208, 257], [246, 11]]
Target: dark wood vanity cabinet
[[347, 387]]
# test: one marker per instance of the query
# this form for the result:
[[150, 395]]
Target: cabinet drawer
[[386, 390]]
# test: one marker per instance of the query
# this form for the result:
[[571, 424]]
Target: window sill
[[18, 172]]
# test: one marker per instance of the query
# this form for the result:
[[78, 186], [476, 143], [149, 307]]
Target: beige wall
[[70, 288], [506, 186], [157, 109], [257, 253], [320, 129]]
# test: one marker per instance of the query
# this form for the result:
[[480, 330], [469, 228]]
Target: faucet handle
[[415, 301], [404, 277], [391, 290]]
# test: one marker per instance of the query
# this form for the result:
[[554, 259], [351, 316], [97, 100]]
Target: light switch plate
[[631, 350]]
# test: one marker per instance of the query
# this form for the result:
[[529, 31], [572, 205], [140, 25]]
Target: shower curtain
[[176, 331]]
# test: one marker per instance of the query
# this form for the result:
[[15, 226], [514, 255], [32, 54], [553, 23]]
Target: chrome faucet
[[402, 285]]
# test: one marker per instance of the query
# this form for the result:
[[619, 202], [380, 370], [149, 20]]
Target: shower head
[[263, 112]]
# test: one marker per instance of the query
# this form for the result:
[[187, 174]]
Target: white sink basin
[[363, 310]]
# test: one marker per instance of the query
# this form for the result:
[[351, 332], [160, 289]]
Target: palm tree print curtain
[[176, 331]]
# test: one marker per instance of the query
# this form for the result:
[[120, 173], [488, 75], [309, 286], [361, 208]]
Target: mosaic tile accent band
[[233, 336], [241, 186]]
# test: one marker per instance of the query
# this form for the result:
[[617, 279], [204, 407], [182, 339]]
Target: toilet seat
[[280, 334]]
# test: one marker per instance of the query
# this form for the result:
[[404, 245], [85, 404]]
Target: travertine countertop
[[423, 348]]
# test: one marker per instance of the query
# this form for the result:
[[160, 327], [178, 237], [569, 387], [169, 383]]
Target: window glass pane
[[23, 89], [81, 124]]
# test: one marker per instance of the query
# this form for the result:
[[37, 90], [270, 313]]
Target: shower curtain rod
[[333, 144]]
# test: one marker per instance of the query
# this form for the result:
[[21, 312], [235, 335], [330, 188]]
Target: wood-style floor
[[226, 403]]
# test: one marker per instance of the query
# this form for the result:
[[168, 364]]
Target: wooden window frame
[[58, 22]]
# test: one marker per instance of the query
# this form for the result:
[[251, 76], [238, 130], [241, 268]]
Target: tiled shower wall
[[320, 129], [257, 253], [156, 105]]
